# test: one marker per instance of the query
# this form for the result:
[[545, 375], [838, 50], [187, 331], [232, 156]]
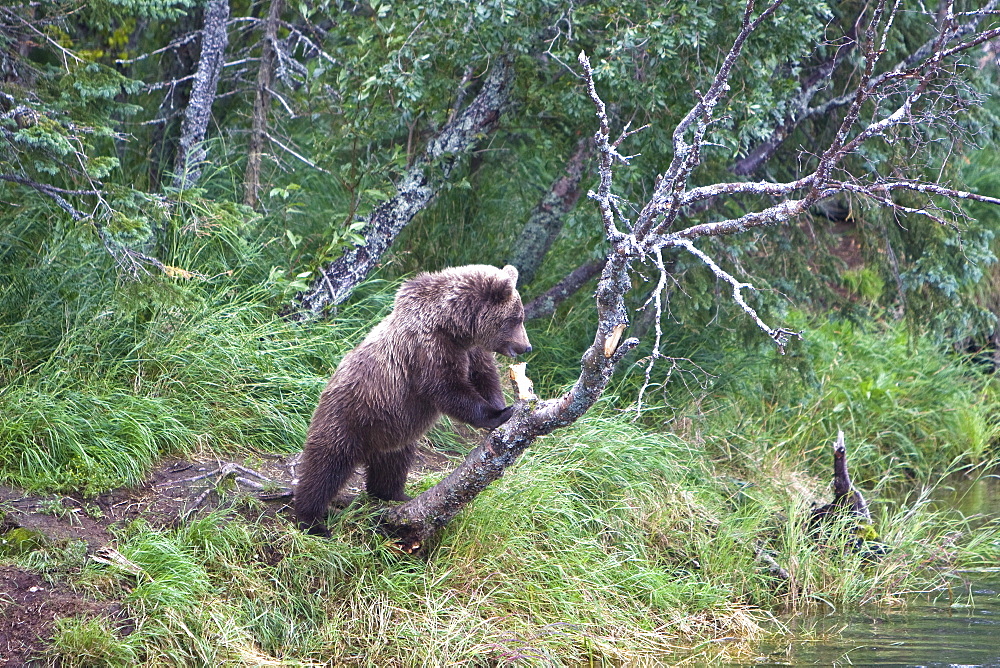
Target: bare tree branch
[[664, 206], [799, 106], [546, 303], [652, 233], [174, 44], [920, 59], [287, 149], [32, 26], [53, 193], [129, 260], [780, 336]]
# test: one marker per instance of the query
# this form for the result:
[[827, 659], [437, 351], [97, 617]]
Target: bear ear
[[511, 271], [497, 290]]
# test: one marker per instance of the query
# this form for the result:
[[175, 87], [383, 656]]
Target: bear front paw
[[502, 416], [315, 529]]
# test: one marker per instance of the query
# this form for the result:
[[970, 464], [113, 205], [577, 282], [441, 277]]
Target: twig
[[301, 157], [55, 194], [780, 335], [176, 44]]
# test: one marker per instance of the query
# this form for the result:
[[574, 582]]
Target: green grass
[[90, 643], [232, 378], [605, 544], [909, 410], [621, 539], [100, 379]]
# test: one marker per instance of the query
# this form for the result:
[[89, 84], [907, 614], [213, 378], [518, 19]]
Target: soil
[[29, 607], [30, 603]]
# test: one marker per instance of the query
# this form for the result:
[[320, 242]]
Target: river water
[[960, 627]]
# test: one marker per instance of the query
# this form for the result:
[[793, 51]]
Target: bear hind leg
[[386, 473], [325, 469]]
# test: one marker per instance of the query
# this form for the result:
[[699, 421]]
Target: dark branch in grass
[[546, 303]]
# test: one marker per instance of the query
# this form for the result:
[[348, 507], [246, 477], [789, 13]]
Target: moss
[[20, 541]]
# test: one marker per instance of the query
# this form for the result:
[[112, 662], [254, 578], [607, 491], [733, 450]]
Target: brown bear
[[433, 354]]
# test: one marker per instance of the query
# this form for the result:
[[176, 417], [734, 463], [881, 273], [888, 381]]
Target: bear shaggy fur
[[431, 355]]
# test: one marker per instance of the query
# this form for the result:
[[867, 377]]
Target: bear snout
[[512, 349]]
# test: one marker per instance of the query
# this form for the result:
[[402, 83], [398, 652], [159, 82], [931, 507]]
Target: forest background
[[206, 204]]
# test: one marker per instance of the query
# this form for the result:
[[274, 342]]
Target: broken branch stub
[[523, 386]]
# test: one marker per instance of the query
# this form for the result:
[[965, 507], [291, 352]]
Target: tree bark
[[547, 218], [261, 104], [416, 191], [191, 151]]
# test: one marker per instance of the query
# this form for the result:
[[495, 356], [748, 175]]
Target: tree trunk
[[548, 216], [191, 150], [418, 188], [261, 104]]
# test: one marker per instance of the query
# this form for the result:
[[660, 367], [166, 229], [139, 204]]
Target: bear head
[[474, 305]]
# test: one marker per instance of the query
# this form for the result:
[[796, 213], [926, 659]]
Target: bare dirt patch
[[30, 603], [29, 607]]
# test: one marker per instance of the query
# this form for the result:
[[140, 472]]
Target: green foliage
[[865, 283], [104, 12], [617, 541], [906, 406], [389, 78]]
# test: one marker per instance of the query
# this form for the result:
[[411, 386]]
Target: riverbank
[[957, 624]]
